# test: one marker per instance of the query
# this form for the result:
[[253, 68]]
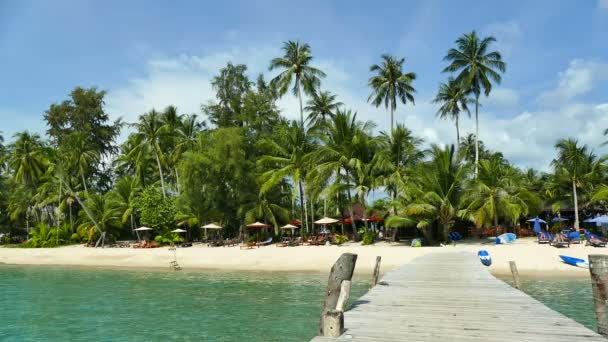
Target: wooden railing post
[[515, 274], [598, 267], [332, 317], [376, 271]]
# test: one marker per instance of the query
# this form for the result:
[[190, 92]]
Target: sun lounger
[[285, 242], [544, 237], [312, 240], [265, 242], [594, 240], [574, 237], [297, 241], [560, 240], [247, 245]]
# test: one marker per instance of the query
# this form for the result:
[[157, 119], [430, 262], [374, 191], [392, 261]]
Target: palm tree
[[81, 155], [390, 84], [122, 198], [287, 158], [150, 129], [185, 140], [497, 191], [476, 68], [439, 191], [398, 152], [296, 67], [576, 164], [321, 106], [26, 158], [454, 100], [346, 147]]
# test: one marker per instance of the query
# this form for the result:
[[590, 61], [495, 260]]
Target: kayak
[[505, 238], [484, 257], [575, 261]]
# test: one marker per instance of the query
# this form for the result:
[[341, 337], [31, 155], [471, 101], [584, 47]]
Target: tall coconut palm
[[122, 198], [454, 100], [185, 140], [287, 159], [149, 130], [82, 156], [346, 143], [390, 84], [296, 67], [320, 107], [476, 68], [27, 158], [576, 164]]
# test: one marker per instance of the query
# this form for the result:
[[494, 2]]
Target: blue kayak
[[575, 261], [484, 257], [505, 238]]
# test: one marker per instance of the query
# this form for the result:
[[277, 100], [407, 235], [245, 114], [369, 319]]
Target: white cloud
[[577, 80], [603, 4], [507, 35], [503, 97]]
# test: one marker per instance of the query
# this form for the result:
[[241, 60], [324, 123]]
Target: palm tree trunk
[[446, 230], [84, 183], [350, 209], [576, 224], [457, 136], [160, 171], [302, 207], [392, 119], [177, 180], [71, 221], [312, 215], [301, 108], [476, 134]]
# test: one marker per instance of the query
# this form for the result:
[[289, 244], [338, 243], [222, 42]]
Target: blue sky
[[155, 53]]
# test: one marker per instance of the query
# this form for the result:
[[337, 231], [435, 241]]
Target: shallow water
[[571, 297], [73, 304]]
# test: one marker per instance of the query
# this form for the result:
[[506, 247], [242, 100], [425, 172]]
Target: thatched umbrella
[[258, 225]]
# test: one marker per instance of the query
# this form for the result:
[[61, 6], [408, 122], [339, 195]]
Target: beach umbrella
[[600, 219], [258, 225], [559, 219], [289, 227], [536, 218], [537, 228], [326, 220], [212, 226], [141, 229], [178, 230]]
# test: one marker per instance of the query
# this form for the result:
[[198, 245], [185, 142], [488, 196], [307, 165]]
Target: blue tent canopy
[[559, 219]]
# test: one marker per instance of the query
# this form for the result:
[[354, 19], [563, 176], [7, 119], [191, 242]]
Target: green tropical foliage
[[244, 161]]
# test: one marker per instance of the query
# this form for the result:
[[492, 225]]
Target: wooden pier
[[452, 297]]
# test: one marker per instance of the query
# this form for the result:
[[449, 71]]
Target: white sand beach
[[532, 259]]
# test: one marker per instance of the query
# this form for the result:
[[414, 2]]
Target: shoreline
[[533, 260]]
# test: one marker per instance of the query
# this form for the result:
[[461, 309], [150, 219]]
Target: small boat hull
[[574, 261], [505, 238], [485, 258]]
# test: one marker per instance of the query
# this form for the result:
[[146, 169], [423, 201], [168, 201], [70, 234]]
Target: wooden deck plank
[[451, 296]]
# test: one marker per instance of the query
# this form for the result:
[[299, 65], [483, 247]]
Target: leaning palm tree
[[150, 129], [296, 67], [320, 107], [576, 164], [454, 100], [476, 68], [391, 84]]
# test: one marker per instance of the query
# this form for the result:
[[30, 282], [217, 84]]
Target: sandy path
[[532, 259]]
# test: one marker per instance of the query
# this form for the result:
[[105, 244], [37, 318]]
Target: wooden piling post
[[344, 294], [376, 271], [515, 273], [342, 270], [598, 267]]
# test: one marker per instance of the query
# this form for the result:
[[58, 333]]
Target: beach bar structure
[[450, 297]]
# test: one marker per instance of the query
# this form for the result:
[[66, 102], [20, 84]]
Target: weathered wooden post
[[376, 271], [598, 267], [515, 274], [332, 316]]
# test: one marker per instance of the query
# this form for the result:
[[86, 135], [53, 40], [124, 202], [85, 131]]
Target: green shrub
[[340, 239], [75, 237], [368, 238]]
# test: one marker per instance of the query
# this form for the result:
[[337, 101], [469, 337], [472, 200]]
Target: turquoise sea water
[[571, 297], [74, 304]]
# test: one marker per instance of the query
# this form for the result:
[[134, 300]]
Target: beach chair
[[247, 245], [312, 240], [285, 242], [265, 242], [320, 241], [560, 240], [574, 237], [297, 241], [594, 240], [544, 237]]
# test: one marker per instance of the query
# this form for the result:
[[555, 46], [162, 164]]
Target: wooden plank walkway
[[452, 297]]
